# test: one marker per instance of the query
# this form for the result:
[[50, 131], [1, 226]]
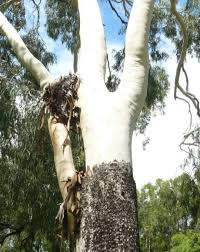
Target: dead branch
[[184, 44], [115, 11], [127, 13], [125, 4], [37, 7]]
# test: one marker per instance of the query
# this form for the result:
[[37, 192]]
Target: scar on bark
[[59, 100]]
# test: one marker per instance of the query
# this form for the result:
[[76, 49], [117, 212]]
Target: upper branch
[[184, 44], [93, 48], [115, 11], [180, 65], [37, 69], [136, 64]]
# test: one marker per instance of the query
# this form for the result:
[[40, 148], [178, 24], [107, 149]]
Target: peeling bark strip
[[60, 98], [109, 210]]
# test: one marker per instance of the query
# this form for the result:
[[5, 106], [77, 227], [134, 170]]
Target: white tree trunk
[[109, 202], [108, 119]]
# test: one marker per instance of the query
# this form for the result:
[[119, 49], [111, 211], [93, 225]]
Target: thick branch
[[37, 69], [93, 48], [136, 65]]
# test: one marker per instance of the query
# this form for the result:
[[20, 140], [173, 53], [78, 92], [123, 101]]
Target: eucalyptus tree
[[188, 242], [166, 209], [107, 120]]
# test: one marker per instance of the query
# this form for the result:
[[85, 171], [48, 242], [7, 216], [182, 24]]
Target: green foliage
[[29, 191], [156, 93], [16, 14], [191, 13], [63, 22], [188, 242], [165, 209], [28, 186]]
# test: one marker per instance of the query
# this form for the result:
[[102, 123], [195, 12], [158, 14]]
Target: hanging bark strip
[[60, 98], [69, 214]]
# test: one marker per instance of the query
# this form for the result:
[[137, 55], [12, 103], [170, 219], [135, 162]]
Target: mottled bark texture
[[109, 210]]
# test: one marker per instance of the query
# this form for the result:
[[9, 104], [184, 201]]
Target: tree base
[[109, 210]]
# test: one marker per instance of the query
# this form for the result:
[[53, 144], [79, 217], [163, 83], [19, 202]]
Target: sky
[[162, 157]]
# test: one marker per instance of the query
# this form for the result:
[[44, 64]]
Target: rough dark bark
[[109, 210]]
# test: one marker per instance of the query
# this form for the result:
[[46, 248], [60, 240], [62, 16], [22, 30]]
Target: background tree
[[186, 242], [28, 186], [168, 212]]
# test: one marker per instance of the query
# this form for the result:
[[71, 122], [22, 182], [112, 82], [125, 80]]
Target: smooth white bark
[[37, 69], [108, 119], [136, 66], [62, 154], [105, 125], [93, 49]]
